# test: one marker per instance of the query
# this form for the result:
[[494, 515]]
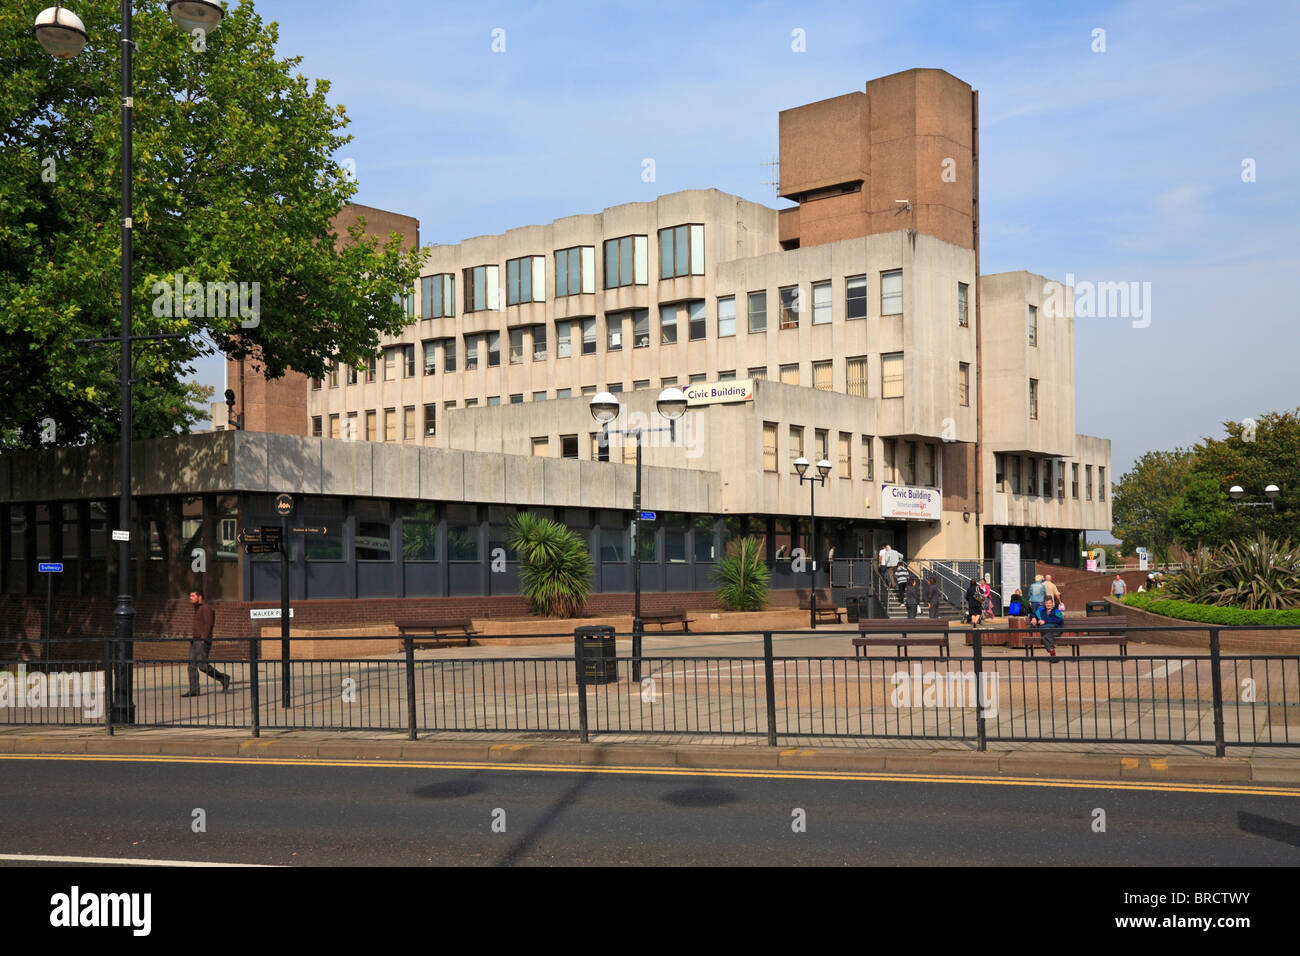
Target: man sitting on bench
[[1048, 616]]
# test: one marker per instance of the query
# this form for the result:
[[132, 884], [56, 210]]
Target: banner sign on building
[[904, 501], [1010, 570], [714, 393]]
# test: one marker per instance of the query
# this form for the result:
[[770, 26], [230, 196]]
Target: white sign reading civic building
[[905, 501], [713, 393]]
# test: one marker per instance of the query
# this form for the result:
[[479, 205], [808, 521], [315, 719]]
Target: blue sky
[[1123, 165]]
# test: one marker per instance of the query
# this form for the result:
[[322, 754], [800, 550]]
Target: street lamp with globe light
[[605, 408], [1271, 492], [823, 469], [64, 35]]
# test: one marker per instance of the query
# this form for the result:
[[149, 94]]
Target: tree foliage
[[234, 182], [1142, 501], [1255, 454], [1202, 513]]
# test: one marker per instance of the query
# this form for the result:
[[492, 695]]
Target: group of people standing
[[907, 586]]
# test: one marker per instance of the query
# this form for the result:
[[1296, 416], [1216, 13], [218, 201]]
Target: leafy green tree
[[1201, 515], [234, 182], [1254, 454], [1142, 501], [555, 569], [742, 576]]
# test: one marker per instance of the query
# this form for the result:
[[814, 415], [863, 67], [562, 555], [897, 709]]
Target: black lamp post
[[1236, 492], [823, 469], [604, 409], [63, 34]]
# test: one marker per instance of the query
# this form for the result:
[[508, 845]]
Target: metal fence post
[[108, 685], [769, 680], [255, 687], [981, 736], [410, 687], [1216, 686], [579, 667]]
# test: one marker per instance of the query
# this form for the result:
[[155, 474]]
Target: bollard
[[769, 681], [255, 690]]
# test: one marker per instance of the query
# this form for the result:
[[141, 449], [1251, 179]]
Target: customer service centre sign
[[906, 501]]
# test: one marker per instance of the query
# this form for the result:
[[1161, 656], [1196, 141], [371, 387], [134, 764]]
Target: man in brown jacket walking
[[201, 645]]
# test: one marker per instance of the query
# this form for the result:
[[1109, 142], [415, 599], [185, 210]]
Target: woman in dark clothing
[[932, 596], [974, 602]]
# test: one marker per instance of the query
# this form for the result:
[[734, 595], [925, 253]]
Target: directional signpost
[[647, 516], [51, 568]]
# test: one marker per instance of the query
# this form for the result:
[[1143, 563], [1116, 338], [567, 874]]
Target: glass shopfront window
[[706, 540], [420, 532], [462, 532], [499, 517], [373, 540]]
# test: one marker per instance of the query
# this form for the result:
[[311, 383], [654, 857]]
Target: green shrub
[[1211, 613], [554, 565], [1262, 574], [742, 576]]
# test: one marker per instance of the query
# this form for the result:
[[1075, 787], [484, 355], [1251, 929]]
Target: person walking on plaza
[[912, 596], [901, 577], [201, 645], [986, 599], [1053, 591], [1048, 616], [1037, 594], [974, 602], [1118, 587], [932, 596]]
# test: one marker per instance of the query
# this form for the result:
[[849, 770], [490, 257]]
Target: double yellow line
[[877, 777]]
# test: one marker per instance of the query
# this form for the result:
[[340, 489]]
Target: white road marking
[[1164, 670], [111, 861]]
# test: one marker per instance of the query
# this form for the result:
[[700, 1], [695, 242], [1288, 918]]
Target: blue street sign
[[54, 568], [647, 516]]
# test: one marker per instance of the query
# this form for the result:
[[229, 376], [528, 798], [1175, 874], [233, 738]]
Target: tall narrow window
[[891, 375], [408, 423], [613, 331], [1101, 483], [891, 292], [822, 376], [695, 315], [430, 358], [575, 271], [516, 346], [846, 455], [1074, 481], [790, 374], [471, 352], [641, 328], [526, 280], [727, 316], [758, 311], [370, 369], [390, 364], [539, 343], [929, 466], [431, 419], [390, 424], [589, 336], [963, 383], [449, 355], [668, 325], [868, 458], [1033, 325], [315, 426], [821, 294], [563, 345], [494, 349], [855, 297], [1087, 482], [370, 426], [335, 431], [889, 446], [963, 313], [769, 446], [408, 361], [790, 307], [999, 471], [796, 442], [1033, 399], [856, 378]]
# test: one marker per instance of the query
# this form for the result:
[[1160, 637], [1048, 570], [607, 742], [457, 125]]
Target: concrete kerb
[[1278, 771]]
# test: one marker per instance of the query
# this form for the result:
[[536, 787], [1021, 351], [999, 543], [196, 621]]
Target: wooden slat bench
[[826, 608], [424, 632], [920, 633], [1074, 639], [672, 616]]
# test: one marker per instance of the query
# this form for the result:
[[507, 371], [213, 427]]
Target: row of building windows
[[1027, 475]]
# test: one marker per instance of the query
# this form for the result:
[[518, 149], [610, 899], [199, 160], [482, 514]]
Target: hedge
[[1210, 613]]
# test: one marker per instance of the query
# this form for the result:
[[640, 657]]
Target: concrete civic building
[[853, 326]]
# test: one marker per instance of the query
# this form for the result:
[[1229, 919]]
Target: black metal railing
[[994, 695]]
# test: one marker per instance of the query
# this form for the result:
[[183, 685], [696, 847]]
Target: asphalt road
[[321, 814]]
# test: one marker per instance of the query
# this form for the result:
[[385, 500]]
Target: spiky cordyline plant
[[742, 576], [554, 565]]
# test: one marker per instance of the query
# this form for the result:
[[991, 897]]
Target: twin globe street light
[[1236, 492], [64, 35], [604, 409]]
